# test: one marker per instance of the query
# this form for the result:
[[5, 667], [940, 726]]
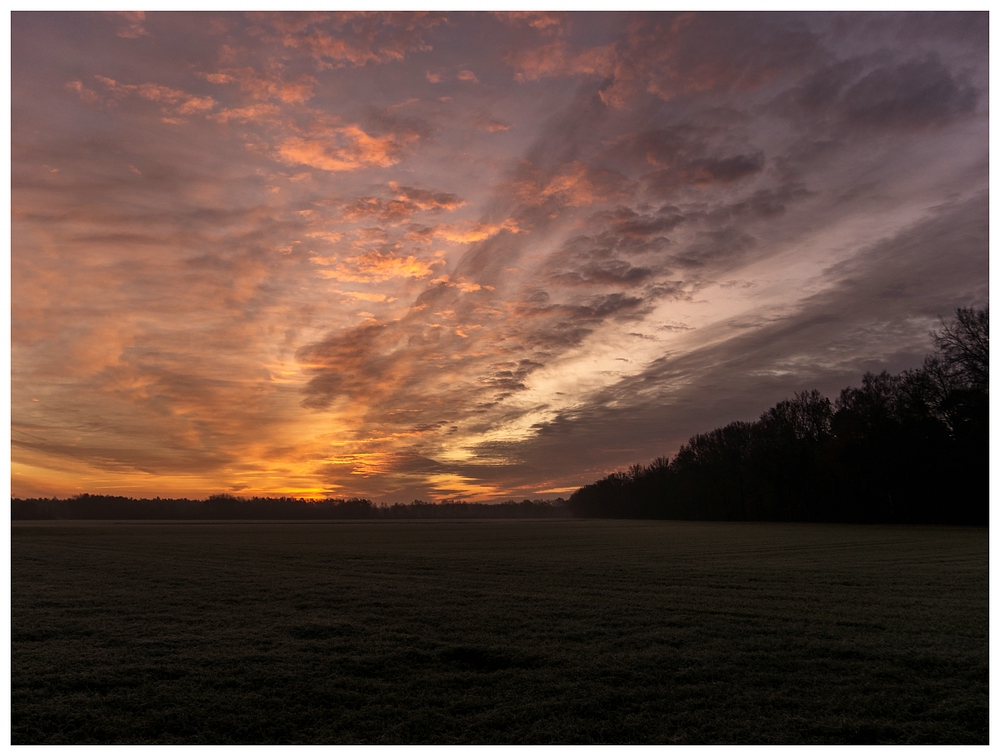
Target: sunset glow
[[469, 255]]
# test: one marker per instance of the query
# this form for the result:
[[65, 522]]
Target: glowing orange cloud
[[265, 87], [466, 287], [475, 232], [374, 266], [347, 148], [366, 296]]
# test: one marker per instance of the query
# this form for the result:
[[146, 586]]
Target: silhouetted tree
[[911, 447], [964, 345]]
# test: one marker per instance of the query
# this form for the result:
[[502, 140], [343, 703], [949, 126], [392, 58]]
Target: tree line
[[228, 507], [906, 448]]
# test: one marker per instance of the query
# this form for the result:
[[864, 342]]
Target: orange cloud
[[258, 112], [366, 296], [490, 124], [425, 199], [475, 232], [354, 38], [329, 236], [176, 100], [345, 148], [452, 486], [363, 463], [131, 24], [393, 212], [87, 95], [407, 201], [265, 87], [555, 59], [466, 287], [576, 185], [541, 21], [372, 267]]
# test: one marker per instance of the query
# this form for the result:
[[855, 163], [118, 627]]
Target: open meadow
[[498, 632]]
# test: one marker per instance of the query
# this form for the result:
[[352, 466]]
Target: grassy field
[[498, 632]]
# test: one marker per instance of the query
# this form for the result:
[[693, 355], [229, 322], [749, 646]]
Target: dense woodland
[[906, 448]]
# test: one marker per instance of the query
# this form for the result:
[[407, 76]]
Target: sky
[[469, 255]]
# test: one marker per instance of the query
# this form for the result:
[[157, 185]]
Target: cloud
[[915, 94], [452, 486], [375, 266], [474, 232], [365, 296], [425, 199], [541, 21], [763, 204], [392, 212], [257, 113], [605, 272], [89, 96], [380, 463], [557, 59], [629, 226], [676, 55], [175, 101], [130, 24], [564, 325], [464, 286], [342, 148], [356, 39], [575, 184], [704, 172], [349, 364], [713, 247], [490, 124], [403, 203], [263, 87]]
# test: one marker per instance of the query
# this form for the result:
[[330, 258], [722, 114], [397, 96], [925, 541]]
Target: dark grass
[[499, 632]]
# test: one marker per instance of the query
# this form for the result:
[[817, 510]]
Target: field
[[498, 632]]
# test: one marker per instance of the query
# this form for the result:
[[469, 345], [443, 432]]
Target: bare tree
[[965, 345]]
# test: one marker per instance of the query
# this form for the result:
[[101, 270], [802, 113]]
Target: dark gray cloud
[[915, 94]]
